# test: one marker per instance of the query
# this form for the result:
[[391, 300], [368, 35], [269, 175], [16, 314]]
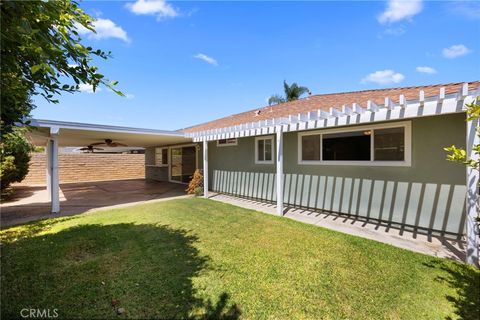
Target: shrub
[[196, 183], [198, 191], [14, 157]]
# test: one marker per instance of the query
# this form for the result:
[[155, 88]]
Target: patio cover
[[53, 134], [73, 134]]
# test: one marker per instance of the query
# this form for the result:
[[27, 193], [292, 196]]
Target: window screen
[[261, 150], [353, 146], [226, 142], [311, 147], [161, 156], [389, 144], [165, 156], [268, 150], [265, 150]]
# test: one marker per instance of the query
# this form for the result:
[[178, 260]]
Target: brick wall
[[88, 167]]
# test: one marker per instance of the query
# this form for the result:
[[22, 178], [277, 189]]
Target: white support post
[[471, 224], [279, 158], [48, 169], [205, 168], [53, 184]]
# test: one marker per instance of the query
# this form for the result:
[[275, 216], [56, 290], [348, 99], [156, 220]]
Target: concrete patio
[[31, 203]]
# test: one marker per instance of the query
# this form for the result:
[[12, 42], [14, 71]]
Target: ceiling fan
[[109, 143], [90, 148]]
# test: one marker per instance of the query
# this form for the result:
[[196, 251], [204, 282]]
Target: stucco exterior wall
[[429, 194]]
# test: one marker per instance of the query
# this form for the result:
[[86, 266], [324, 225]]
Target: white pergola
[[54, 134], [357, 114]]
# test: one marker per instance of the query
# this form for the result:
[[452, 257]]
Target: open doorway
[[183, 163]]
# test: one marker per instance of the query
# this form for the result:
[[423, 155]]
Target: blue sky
[[183, 63]]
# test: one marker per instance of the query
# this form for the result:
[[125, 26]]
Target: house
[[375, 155]]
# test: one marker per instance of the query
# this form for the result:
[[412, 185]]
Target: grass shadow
[[466, 281], [90, 271]]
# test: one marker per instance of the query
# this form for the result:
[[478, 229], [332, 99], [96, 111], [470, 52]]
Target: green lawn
[[196, 258]]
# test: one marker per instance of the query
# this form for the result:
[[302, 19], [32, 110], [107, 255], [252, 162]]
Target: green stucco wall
[[430, 194]]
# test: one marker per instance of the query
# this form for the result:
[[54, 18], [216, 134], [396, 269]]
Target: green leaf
[[36, 68], [43, 35]]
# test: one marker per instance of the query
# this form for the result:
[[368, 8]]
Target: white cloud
[[468, 9], [455, 51], [129, 96], [398, 10], [206, 58], [425, 69], [394, 31], [384, 77], [81, 29], [105, 29], [88, 88], [159, 8]]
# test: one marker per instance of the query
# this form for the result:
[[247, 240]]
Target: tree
[[15, 155], [459, 155], [42, 54], [292, 92], [41, 50]]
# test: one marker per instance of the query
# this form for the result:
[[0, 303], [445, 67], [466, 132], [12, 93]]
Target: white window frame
[[407, 162], [227, 144], [161, 155], [272, 138]]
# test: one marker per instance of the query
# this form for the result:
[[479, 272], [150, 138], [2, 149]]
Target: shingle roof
[[325, 101]]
